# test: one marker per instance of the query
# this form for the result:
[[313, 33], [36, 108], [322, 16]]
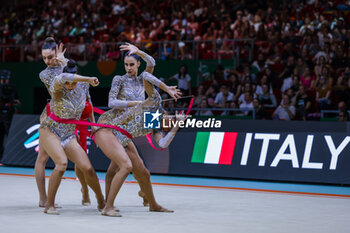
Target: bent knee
[[61, 166], [126, 167], [89, 171]]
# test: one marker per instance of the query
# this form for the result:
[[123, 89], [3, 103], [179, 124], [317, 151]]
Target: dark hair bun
[[71, 67], [134, 55], [71, 63], [49, 43], [49, 40]]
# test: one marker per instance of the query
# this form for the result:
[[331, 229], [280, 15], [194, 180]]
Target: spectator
[[343, 116], [204, 104], [307, 79], [247, 87], [223, 96], [263, 81], [285, 111], [287, 74], [302, 102], [229, 105], [259, 64], [184, 80], [199, 96], [234, 85], [247, 75], [166, 52], [260, 113], [323, 93], [210, 94], [342, 106], [300, 67], [247, 105], [267, 99], [342, 90]]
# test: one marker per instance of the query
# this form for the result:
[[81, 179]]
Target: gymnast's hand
[[94, 81], [129, 47], [181, 116], [60, 54], [174, 92]]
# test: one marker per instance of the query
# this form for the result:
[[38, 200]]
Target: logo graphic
[[219, 147], [214, 147], [33, 141], [151, 120]]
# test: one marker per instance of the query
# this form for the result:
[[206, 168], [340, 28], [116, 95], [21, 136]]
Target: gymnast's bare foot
[[159, 208], [101, 204], [86, 199], [42, 203], [110, 212], [51, 210], [145, 201]]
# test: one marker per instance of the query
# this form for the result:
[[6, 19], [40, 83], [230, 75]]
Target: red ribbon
[[149, 136], [81, 126], [84, 133], [85, 123], [98, 111]]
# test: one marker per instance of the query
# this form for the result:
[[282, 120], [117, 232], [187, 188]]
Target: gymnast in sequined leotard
[[53, 56], [127, 91], [68, 92], [112, 147], [132, 118]]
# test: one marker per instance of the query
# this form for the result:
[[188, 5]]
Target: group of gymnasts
[[69, 93]]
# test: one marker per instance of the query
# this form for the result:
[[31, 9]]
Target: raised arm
[[61, 79], [60, 55], [164, 140], [151, 63]]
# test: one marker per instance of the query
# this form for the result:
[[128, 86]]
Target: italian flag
[[214, 147]]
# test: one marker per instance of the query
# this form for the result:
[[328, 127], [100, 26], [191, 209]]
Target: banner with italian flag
[[214, 147]]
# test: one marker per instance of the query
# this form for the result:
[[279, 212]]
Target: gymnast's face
[[49, 56], [70, 85], [131, 65]]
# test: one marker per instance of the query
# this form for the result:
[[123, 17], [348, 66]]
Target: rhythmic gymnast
[[128, 91], [112, 142], [53, 56], [68, 92]]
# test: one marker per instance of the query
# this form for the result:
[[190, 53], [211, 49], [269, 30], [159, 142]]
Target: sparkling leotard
[[66, 104], [47, 76], [126, 88]]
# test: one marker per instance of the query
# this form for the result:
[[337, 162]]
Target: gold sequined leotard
[[130, 119], [66, 104], [47, 76]]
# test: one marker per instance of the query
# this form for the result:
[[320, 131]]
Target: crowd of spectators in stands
[[301, 47]]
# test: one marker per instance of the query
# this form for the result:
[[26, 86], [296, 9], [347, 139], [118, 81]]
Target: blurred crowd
[[301, 50], [9, 102]]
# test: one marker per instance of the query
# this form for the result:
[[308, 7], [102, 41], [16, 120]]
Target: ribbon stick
[[183, 97]]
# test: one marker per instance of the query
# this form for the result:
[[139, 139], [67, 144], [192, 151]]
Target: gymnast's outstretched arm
[[163, 139], [149, 80]]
